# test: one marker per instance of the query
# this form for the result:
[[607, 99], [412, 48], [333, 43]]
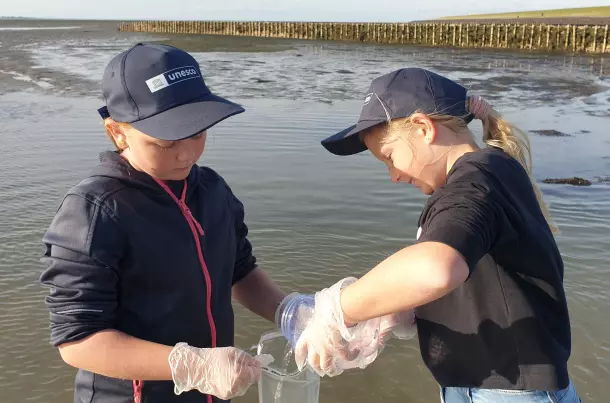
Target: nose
[[184, 155], [394, 175]]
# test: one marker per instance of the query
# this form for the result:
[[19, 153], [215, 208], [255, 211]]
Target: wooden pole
[[574, 38], [426, 33], [515, 35], [453, 38], [492, 30]]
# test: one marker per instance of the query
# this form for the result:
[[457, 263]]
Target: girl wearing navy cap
[[145, 253], [485, 276]]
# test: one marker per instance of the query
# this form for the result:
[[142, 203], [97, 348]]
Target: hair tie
[[478, 106]]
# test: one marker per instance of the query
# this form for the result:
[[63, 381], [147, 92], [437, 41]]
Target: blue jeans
[[475, 395]]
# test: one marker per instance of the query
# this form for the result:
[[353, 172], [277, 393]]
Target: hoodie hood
[[112, 165]]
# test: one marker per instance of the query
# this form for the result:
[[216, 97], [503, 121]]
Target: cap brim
[[347, 142], [189, 119]]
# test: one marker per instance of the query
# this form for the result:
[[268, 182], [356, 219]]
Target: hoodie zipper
[[197, 232]]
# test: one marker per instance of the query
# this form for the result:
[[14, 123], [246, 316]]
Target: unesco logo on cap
[[172, 76]]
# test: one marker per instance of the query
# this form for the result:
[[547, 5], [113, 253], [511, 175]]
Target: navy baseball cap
[[398, 95], [160, 91]]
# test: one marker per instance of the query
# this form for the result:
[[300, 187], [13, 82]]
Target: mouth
[[414, 183], [189, 166]]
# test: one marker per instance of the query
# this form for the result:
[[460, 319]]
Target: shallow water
[[314, 217]]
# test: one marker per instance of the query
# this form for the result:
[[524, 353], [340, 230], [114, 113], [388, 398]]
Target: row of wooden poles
[[544, 37]]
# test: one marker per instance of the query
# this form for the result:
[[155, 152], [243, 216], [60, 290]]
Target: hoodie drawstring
[[137, 391]]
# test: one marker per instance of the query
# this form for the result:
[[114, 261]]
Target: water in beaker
[[281, 381]]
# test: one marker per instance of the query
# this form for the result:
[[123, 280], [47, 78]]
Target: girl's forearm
[[258, 293], [409, 278], [115, 354]]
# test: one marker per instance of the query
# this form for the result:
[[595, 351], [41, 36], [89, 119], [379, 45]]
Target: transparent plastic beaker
[[294, 314], [281, 381]]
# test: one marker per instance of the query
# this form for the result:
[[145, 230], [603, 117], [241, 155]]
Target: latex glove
[[224, 372], [400, 325], [328, 345]]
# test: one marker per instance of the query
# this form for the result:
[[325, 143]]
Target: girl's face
[[162, 159], [412, 158]]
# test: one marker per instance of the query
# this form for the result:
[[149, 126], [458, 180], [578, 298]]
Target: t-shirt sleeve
[[83, 248], [466, 217], [245, 261]]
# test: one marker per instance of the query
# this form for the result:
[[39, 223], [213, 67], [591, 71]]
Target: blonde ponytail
[[498, 132]]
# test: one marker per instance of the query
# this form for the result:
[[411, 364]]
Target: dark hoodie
[[121, 256]]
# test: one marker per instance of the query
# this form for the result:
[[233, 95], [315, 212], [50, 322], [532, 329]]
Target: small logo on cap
[[367, 98], [170, 77], [157, 83]]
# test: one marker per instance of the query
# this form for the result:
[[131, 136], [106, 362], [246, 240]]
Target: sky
[[275, 10]]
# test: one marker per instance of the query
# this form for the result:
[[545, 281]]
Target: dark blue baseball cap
[[398, 95], [159, 90]]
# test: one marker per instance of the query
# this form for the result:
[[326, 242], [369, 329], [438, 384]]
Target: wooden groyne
[[519, 36]]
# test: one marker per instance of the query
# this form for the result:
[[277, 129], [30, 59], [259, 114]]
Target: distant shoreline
[[525, 36], [579, 12], [529, 20]]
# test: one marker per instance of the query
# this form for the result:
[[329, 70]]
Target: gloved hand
[[224, 372], [328, 345], [400, 325]]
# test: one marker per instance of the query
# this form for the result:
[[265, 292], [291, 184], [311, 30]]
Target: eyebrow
[[163, 143]]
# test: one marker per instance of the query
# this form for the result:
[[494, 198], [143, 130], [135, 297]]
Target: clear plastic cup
[[295, 311]]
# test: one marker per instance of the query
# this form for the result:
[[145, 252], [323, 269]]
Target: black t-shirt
[[507, 326]]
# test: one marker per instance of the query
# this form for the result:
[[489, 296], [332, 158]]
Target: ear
[[426, 127], [115, 131]]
